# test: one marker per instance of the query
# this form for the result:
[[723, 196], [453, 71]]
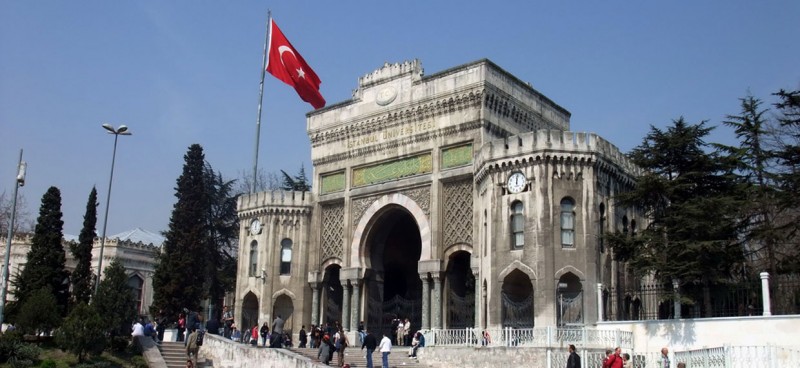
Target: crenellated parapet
[[392, 71], [561, 148], [276, 202]]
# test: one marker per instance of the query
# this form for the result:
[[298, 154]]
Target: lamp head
[[21, 173], [122, 128], [109, 128]]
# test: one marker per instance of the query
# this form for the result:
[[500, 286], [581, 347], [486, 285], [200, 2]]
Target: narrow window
[[286, 256], [253, 258], [517, 226], [136, 284], [567, 222]]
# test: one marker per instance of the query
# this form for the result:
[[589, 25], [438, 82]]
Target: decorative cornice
[[418, 112]]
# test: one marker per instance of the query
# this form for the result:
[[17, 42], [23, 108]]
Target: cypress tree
[[178, 280], [223, 226], [45, 267], [82, 276]]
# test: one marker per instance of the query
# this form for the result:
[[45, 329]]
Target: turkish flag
[[286, 64]]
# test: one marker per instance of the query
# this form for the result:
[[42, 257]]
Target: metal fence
[[734, 298]]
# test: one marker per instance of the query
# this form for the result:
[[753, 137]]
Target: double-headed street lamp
[[18, 182], [122, 130]]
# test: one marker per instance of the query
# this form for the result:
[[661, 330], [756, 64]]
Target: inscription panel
[[390, 133], [457, 156], [332, 183], [392, 170]]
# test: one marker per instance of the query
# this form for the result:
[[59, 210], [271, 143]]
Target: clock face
[[516, 182], [255, 227]]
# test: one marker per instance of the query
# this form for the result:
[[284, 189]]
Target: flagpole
[[260, 100]]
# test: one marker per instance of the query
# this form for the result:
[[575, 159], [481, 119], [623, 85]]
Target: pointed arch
[[517, 265], [358, 251]]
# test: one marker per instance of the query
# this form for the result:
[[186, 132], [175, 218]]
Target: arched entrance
[[333, 295], [392, 282], [517, 299], [460, 291], [569, 302], [284, 308], [249, 312]]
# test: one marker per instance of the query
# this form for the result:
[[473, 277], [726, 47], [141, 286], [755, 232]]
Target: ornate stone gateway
[[393, 286], [456, 199]]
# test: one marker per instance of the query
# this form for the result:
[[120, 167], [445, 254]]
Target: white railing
[[769, 356], [583, 338]]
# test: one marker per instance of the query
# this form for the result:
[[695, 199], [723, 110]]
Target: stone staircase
[[356, 357], [174, 354]]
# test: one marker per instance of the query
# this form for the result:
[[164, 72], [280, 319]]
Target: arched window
[[253, 258], [517, 226], [136, 284], [567, 222], [286, 256], [633, 227]]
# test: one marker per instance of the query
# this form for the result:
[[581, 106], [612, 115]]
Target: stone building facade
[[138, 250], [457, 199]]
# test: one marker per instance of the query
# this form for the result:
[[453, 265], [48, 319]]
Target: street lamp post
[[122, 130], [18, 182]]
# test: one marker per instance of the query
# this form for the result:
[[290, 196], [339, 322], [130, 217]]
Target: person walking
[[574, 360], [277, 332], [227, 321], [340, 341], [192, 348], [370, 343], [664, 360], [254, 335], [181, 326], [264, 334], [626, 359], [302, 337], [324, 354], [386, 349]]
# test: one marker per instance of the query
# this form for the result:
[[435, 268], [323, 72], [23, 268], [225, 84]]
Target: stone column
[[477, 311], [436, 300], [599, 302], [765, 293], [356, 307], [314, 302], [426, 301], [345, 305]]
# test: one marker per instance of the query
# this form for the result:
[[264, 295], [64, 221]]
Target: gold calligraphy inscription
[[457, 156], [332, 183], [404, 130], [392, 170]]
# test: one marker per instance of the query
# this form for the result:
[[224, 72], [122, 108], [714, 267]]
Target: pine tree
[[753, 160], [46, 258], [82, 276], [690, 199], [223, 225], [788, 181], [114, 300], [178, 280]]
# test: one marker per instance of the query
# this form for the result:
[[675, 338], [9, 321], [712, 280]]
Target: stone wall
[[223, 353], [698, 333]]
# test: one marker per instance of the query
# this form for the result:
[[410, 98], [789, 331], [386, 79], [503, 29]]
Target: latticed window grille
[[332, 230]]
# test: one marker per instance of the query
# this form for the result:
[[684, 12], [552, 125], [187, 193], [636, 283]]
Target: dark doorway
[[249, 313], [517, 299], [333, 295], [394, 288], [460, 291]]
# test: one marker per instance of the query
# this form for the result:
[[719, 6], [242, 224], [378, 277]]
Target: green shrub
[[48, 363], [138, 361], [119, 343], [24, 355]]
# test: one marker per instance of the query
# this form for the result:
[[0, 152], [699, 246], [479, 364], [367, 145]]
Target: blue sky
[[183, 72]]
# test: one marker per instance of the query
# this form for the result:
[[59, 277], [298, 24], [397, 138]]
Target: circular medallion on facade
[[386, 96]]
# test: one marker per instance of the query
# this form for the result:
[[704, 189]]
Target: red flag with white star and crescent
[[286, 64]]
